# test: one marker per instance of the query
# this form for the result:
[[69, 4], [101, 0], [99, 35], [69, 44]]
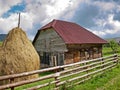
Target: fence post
[[12, 81], [57, 80]]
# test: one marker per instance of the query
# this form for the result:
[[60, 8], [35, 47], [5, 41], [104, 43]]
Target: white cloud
[[46, 10], [99, 33], [41, 12], [107, 26], [27, 21], [37, 12], [5, 5], [8, 23], [105, 6], [115, 24]]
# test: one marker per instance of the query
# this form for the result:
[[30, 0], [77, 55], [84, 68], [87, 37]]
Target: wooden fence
[[72, 74]]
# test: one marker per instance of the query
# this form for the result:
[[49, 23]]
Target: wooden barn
[[61, 42]]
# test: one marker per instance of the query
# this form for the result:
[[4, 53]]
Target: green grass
[[0, 43], [107, 51], [37, 83], [109, 80]]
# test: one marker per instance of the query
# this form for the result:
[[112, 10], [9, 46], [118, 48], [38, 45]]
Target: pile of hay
[[18, 55]]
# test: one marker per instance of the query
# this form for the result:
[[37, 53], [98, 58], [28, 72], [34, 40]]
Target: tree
[[114, 45]]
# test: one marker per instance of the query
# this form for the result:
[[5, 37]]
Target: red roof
[[73, 33]]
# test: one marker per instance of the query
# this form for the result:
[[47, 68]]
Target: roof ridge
[[72, 32], [53, 22]]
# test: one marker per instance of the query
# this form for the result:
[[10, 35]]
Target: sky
[[102, 17]]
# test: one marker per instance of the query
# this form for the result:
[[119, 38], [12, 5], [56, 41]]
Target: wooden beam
[[19, 21]]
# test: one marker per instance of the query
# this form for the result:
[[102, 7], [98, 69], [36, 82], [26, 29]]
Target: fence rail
[[72, 74]]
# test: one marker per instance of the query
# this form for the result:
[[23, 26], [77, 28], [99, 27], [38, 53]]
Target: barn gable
[[73, 33], [50, 47], [49, 41]]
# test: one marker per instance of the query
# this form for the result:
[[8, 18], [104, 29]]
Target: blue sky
[[101, 17]]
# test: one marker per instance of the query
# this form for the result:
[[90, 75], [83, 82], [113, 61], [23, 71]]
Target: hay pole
[[19, 20]]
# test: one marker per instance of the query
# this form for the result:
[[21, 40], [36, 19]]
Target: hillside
[[117, 39], [2, 37]]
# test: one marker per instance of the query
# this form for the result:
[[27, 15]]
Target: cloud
[[85, 14], [105, 6], [112, 25], [5, 5], [27, 21], [107, 27], [12, 21], [36, 13], [48, 10], [8, 23], [99, 16]]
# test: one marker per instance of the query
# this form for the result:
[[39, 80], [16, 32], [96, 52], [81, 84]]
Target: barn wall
[[79, 52], [49, 41], [54, 51], [72, 57], [51, 48]]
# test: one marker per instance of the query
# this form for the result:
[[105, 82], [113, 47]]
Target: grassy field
[[110, 80], [107, 51], [0, 43]]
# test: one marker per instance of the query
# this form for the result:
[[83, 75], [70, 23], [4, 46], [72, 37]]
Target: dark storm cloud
[[101, 16], [109, 26], [88, 13], [117, 16], [85, 15]]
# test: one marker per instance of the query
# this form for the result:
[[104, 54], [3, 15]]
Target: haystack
[[18, 55]]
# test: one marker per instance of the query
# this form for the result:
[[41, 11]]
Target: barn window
[[60, 58]]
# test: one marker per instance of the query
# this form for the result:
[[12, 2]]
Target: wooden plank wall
[[49, 41]]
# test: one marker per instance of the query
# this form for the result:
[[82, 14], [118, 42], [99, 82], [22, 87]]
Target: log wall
[[79, 52]]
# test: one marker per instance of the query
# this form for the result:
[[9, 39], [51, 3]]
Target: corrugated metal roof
[[73, 33]]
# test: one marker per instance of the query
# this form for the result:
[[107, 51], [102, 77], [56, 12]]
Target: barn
[[62, 42]]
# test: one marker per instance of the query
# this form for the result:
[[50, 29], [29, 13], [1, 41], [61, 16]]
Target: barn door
[[57, 59], [60, 59], [53, 61]]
